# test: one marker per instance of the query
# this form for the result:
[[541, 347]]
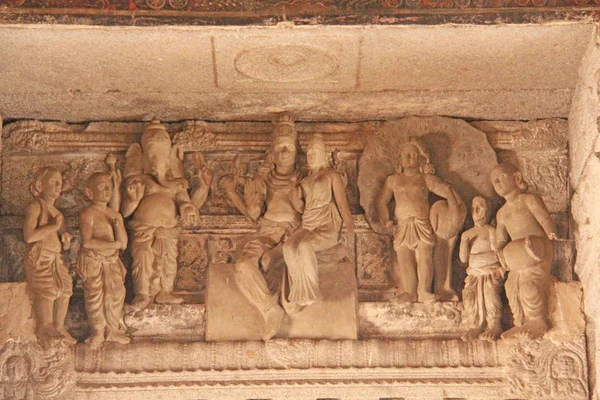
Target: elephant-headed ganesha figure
[[155, 194]]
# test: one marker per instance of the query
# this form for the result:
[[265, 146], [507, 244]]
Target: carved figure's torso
[[318, 193], [519, 220], [48, 213], [411, 195], [158, 206], [279, 204]]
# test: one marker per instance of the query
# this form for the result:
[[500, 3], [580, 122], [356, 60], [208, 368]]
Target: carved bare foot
[[427, 298], [512, 332], [117, 337], [141, 301], [492, 333], [447, 295], [535, 328], [405, 298], [48, 335], [167, 298], [471, 334], [95, 341], [66, 336], [273, 319]]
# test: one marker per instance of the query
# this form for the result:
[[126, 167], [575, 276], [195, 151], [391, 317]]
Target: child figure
[[524, 232], [102, 236], [48, 279], [481, 294], [324, 208]]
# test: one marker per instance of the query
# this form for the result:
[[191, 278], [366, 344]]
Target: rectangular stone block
[[231, 317]]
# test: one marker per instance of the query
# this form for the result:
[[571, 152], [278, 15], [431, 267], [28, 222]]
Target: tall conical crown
[[155, 133], [284, 127]]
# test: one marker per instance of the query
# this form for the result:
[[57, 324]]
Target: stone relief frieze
[[286, 206]]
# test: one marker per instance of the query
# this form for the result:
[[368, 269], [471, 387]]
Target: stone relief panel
[[30, 142], [391, 336]]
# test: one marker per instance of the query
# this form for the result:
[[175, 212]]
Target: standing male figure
[[524, 232], [274, 189], [103, 235], [414, 236]]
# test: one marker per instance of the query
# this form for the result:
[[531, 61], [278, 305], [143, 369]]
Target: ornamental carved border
[[250, 9]]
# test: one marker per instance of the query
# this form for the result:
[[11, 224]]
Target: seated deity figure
[[103, 235], [321, 197], [524, 232], [414, 237], [267, 199], [483, 285], [156, 194], [48, 279]]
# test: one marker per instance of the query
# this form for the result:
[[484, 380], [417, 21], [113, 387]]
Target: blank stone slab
[[231, 317]]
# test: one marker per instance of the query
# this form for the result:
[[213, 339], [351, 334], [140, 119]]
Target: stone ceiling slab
[[82, 73]]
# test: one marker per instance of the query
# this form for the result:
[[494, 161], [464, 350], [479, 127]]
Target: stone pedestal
[[231, 317]]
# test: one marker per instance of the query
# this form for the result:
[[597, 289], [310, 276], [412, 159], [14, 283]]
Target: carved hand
[[66, 239], [188, 211], [135, 191], [59, 220], [253, 189], [205, 176], [229, 183], [552, 236]]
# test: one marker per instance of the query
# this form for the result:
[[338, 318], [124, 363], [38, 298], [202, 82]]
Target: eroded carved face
[[16, 369], [504, 180], [479, 210], [102, 190], [284, 152], [316, 156], [409, 156], [51, 184]]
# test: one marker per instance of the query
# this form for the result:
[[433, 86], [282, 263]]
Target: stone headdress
[[155, 135]]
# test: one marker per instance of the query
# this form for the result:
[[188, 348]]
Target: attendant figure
[[524, 233], [48, 278], [321, 197], [483, 286], [414, 237], [103, 236]]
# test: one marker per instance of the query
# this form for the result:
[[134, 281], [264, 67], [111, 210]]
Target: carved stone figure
[[103, 235], [483, 285], [524, 232], [274, 187], [321, 198], [414, 236], [156, 194], [48, 278]]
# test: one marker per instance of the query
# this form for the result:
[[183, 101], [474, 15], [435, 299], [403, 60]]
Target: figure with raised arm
[[321, 197], [156, 195], [268, 199], [483, 285], [524, 234], [414, 236], [103, 236], [48, 279]]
